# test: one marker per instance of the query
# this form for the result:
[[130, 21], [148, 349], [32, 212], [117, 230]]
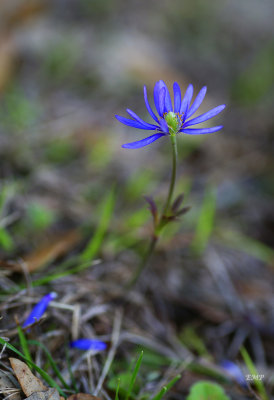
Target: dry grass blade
[[48, 252]]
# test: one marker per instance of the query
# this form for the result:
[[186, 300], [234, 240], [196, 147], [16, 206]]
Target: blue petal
[[187, 99], [158, 86], [143, 142], [132, 123], [177, 97], [163, 125], [39, 309], [168, 103], [148, 106], [162, 95], [88, 344], [138, 119], [197, 102], [167, 100], [202, 131], [204, 117]]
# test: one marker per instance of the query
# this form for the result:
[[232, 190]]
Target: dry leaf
[[57, 247], [83, 396], [28, 382]]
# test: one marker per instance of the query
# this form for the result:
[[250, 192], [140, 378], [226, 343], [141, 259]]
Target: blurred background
[[67, 67]]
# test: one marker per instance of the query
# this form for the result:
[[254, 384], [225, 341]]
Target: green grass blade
[[24, 343], [253, 371], [166, 388], [94, 244], [205, 221], [160, 394], [134, 375], [72, 379], [43, 374], [173, 381], [117, 390], [51, 361]]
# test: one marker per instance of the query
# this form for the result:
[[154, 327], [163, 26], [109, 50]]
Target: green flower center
[[173, 122]]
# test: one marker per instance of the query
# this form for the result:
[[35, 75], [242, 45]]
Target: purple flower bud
[[39, 309], [88, 344], [234, 371]]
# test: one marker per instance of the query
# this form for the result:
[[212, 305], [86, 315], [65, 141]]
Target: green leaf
[[24, 343], [204, 390], [134, 375], [166, 388]]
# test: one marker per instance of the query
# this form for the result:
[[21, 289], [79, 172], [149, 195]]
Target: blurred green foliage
[[205, 223], [257, 80], [207, 391], [39, 217], [17, 110]]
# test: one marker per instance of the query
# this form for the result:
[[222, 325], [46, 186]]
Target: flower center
[[174, 122]]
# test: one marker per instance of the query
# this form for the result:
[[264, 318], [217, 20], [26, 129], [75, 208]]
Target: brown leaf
[[28, 382], [49, 251], [83, 396]]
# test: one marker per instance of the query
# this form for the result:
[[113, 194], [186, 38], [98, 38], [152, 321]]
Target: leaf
[[152, 208], [43, 373], [177, 202], [134, 375], [253, 371], [28, 382], [204, 390]]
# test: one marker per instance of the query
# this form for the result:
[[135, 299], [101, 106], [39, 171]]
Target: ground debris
[[29, 383], [8, 387], [83, 396], [50, 394]]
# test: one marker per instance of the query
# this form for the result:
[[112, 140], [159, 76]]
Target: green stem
[[173, 175], [158, 228]]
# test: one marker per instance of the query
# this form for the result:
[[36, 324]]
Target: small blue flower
[[39, 309], [88, 344], [172, 119], [234, 371]]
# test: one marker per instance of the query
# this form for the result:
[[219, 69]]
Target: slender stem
[[173, 175], [143, 262], [158, 228]]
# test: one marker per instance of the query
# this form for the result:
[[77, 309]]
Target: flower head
[[234, 371], [39, 309], [172, 119], [88, 344]]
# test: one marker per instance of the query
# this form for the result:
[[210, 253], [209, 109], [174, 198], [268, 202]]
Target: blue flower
[[39, 309], [88, 344], [234, 371], [172, 119]]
